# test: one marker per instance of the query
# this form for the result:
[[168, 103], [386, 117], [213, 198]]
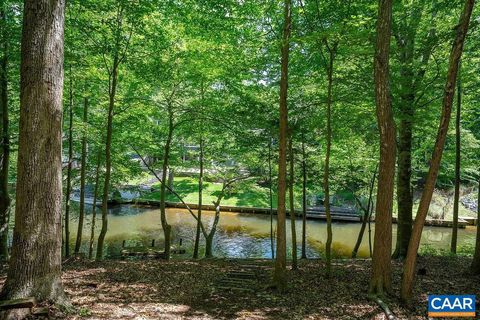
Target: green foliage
[[215, 67]]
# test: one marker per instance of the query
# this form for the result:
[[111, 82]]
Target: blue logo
[[451, 305]]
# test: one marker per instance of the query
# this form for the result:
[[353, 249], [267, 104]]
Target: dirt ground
[[154, 289]]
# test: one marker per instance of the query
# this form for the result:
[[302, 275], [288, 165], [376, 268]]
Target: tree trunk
[[94, 208], [200, 192], [404, 161], [304, 202], [163, 187], [453, 247], [326, 173], [69, 168], [366, 217], [209, 237], [4, 196], [108, 158], [171, 177], [35, 265], [292, 205], [81, 215], [382, 250], [279, 275], [209, 245], [409, 83], [270, 194], [455, 55], [475, 267]]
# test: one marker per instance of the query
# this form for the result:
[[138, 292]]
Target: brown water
[[240, 235]]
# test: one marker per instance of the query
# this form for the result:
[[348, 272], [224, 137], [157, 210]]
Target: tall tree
[[35, 265], [332, 51], [94, 206], [456, 198], [304, 200], [448, 95], [118, 53], [200, 196], [292, 201], [381, 262], [5, 138], [279, 275], [83, 164], [69, 165], [405, 31], [270, 195]]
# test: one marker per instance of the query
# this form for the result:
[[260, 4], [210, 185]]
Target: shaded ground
[[186, 290]]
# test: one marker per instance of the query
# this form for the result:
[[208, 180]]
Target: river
[[239, 235]]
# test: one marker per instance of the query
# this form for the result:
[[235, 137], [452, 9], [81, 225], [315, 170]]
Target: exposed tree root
[[382, 305]]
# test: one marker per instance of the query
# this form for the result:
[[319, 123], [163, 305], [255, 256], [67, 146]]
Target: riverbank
[[153, 289], [338, 214], [249, 194]]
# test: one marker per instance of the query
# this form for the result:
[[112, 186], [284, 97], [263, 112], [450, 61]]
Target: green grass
[[247, 193]]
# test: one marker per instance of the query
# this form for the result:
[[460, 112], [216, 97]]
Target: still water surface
[[239, 235]]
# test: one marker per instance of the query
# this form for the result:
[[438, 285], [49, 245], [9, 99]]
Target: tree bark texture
[[292, 204], [380, 281], [81, 215], [5, 139], [279, 274], [35, 265]]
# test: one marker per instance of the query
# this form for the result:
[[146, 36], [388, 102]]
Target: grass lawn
[[247, 193]]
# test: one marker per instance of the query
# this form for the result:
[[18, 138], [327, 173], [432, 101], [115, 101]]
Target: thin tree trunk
[[455, 55], [382, 251], [366, 216], [209, 245], [270, 191], [453, 247], [163, 217], [326, 173], [4, 196], [200, 192], [279, 275], [404, 173], [35, 264], [69, 167], [209, 238], [475, 266], [292, 205], [409, 83], [94, 208], [304, 201], [370, 250], [81, 215], [108, 159]]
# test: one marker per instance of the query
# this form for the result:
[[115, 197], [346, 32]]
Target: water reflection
[[239, 235]]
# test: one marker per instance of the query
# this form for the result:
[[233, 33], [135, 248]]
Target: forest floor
[[153, 289]]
